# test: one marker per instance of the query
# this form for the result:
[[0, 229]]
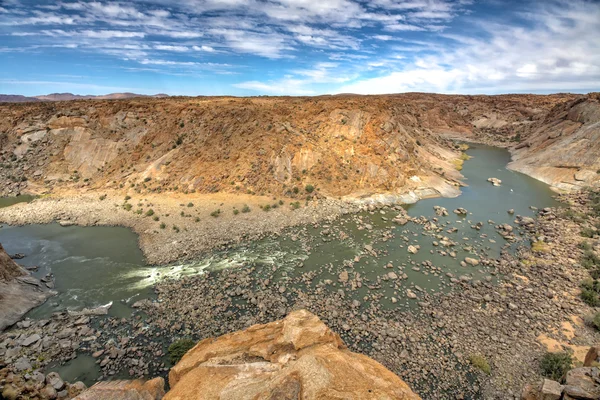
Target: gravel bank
[[177, 227]]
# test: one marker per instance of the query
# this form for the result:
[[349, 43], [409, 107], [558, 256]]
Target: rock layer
[[19, 292], [563, 149], [294, 358]]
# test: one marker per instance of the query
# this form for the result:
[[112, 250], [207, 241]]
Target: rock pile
[[580, 383]]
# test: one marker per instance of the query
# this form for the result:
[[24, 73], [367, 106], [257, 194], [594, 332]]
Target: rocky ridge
[[351, 146]]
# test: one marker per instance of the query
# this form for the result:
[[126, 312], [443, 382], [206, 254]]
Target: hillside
[[341, 145], [563, 149], [15, 98]]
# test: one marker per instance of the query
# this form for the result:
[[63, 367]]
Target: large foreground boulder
[[19, 291], [295, 358], [138, 389]]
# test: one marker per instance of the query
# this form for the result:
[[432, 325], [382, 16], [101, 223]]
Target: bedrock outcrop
[[19, 291], [298, 357], [563, 149]]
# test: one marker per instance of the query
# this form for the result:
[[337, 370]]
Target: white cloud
[[270, 45], [207, 49], [560, 51], [170, 47]]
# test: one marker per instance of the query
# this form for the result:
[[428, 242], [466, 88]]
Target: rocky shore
[[481, 336], [178, 227]]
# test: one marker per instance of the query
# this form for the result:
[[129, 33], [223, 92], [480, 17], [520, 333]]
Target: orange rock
[[126, 390], [298, 357]]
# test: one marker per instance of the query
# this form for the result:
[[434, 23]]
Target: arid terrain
[[321, 156], [191, 175]]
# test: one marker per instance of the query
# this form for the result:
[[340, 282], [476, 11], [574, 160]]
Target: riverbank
[[521, 307], [179, 227]]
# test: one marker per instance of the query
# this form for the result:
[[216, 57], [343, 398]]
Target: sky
[[299, 47]]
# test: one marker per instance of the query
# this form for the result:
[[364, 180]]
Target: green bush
[[267, 208], [127, 198], [245, 209], [178, 349], [127, 206], [149, 213], [162, 225], [103, 197], [556, 365], [295, 205], [590, 260], [215, 213], [590, 288], [236, 211], [480, 363], [309, 188], [190, 204], [587, 232]]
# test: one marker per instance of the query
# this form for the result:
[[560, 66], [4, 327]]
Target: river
[[94, 266]]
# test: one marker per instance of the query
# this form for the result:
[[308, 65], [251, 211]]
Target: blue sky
[[299, 47]]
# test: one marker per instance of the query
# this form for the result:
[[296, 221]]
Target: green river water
[[93, 266]]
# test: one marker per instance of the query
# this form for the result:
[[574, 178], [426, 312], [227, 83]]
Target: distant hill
[[15, 98]]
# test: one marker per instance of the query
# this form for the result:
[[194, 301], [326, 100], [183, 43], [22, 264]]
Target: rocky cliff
[[341, 145], [563, 149], [19, 292]]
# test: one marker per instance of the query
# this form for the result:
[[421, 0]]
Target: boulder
[[592, 356], [19, 291], [413, 249], [126, 390], [472, 261], [298, 357], [495, 181]]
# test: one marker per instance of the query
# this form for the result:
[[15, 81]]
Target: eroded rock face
[[294, 358], [19, 292]]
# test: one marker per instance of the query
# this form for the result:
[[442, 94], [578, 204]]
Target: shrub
[[295, 205], [103, 197], [295, 190], [197, 219], [149, 213], [556, 365], [246, 209], [480, 363], [590, 260], [178, 349], [309, 188], [267, 208], [190, 204], [156, 218], [127, 198], [589, 292], [215, 213], [162, 225], [176, 228], [236, 211], [127, 206], [147, 179], [587, 232]]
